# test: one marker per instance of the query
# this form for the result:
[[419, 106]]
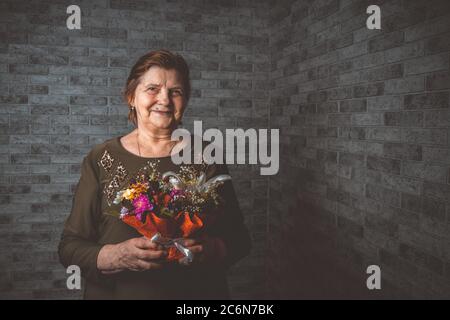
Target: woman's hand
[[137, 254], [207, 249]]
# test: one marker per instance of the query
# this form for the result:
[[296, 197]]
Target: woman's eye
[[152, 89], [176, 93]]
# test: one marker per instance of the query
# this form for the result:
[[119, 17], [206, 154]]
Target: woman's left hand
[[206, 249]]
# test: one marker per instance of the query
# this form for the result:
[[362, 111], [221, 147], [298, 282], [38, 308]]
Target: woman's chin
[[162, 124]]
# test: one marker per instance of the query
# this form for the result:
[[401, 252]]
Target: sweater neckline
[[125, 151]]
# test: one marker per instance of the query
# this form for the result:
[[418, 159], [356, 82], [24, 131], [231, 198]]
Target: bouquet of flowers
[[169, 207]]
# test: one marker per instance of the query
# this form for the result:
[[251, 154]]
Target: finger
[[184, 262], [112, 271], [196, 248], [151, 254], [188, 242], [146, 243], [145, 265]]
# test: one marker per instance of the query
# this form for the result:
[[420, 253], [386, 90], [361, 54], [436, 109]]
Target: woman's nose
[[163, 97]]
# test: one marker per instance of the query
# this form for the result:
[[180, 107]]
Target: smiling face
[[159, 100]]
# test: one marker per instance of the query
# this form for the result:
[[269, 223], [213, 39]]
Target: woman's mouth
[[161, 112]]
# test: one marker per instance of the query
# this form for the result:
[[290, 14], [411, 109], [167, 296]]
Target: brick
[[340, 93], [380, 224], [353, 105], [37, 89], [405, 51], [49, 59], [88, 42], [367, 119], [411, 202], [29, 159], [14, 38], [383, 164], [381, 103], [30, 179], [358, 133], [349, 227], [413, 169], [378, 193], [49, 149], [339, 119], [425, 136], [434, 209], [353, 160], [385, 134], [437, 44], [404, 119], [88, 110], [436, 118], [438, 81], [88, 80], [68, 70], [403, 151], [111, 120], [399, 19], [353, 50], [346, 145], [436, 190], [88, 100], [427, 64], [420, 258], [424, 30], [49, 79], [49, 109], [108, 33], [404, 85], [47, 100], [13, 99], [386, 41], [373, 89], [317, 97], [427, 101], [395, 182], [52, 40], [391, 71], [327, 107], [89, 61], [28, 69]]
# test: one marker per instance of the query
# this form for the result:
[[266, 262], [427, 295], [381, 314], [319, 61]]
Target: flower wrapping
[[169, 207]]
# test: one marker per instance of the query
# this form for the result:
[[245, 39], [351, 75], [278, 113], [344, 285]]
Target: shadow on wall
[[314, 267]]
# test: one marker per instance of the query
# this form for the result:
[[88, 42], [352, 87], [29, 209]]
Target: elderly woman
[[115, 260]]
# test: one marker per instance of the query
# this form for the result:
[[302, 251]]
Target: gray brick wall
[[60, 93], [363, 118], [364, 176]]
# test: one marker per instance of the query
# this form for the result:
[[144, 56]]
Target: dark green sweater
[[106, 169]]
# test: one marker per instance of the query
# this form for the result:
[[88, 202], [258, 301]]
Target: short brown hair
[[160, 58]]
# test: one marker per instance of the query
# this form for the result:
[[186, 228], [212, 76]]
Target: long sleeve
[[78, 244], [230, 226]]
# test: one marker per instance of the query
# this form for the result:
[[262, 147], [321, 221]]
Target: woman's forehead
[[161, 76]]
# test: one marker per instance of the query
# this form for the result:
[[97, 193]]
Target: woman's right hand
[[137, 254]]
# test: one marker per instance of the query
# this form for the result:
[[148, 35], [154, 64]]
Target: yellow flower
[[139, 188], [128, 194]]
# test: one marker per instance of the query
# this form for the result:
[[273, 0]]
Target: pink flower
[[142, 204]]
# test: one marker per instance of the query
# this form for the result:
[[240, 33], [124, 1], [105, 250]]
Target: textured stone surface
[[386, 199], [61, 94], [363, 118]]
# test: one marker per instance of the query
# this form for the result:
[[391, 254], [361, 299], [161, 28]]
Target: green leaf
[[166, 212]]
